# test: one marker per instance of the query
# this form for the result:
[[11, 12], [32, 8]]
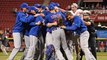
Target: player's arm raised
[[52, 24], [88, 23]]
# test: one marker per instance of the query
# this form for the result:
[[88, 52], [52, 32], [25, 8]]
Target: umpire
[[91, 29]]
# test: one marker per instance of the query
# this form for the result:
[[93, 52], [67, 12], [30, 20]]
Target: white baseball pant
[[17, 45], [84, 37], [58, 36], [27, 43], [31, 50]]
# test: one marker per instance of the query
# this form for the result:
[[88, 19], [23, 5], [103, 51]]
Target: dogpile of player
[[45, 30]]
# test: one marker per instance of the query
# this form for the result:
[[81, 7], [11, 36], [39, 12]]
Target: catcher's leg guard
[[49, 52]]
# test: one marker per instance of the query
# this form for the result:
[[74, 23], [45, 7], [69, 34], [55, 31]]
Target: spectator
[[97, 6], [106, 46], [93, 7], [102, 46], [2, 42]]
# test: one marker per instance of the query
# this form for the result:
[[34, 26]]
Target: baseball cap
[[37, 5], [57, 4], [24, 5], [86, 13], [51, 7], [33, 8], [52, 3], [43, 7]]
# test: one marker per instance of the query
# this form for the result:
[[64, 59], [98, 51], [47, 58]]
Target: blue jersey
[[50, 18], [46, 12], [19, 25], [61, 15], [77, 25], [35, 29], [28, 20], [68, 23]]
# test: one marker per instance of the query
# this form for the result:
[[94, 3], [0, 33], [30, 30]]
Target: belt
[[56, 28], [83, 31]]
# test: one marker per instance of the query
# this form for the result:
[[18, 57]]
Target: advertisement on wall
[[93, 0], [101, 33], [99, 18]]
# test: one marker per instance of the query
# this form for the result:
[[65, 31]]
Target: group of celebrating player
[[51, 22]]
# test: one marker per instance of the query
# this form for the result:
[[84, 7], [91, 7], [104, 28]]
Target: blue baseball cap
[[43, 7], [51, 7], [33, 8], [37, 5], [53, 3], [24, 5], [57, 4]]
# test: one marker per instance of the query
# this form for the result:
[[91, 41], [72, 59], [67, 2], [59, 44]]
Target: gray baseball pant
[[31, 50], [58, 36], [49, 40], [17, 45], [84, 37], [27, 44]]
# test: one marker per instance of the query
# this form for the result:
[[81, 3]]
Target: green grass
[[4, 57], [100, 56]]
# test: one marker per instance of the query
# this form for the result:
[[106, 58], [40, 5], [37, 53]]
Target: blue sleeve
[[65, 22], [64, 13], [76, 23], [30, 18], [32, 24], [46, 12], [39, 18], [25, 19], [17, 12], [22, 17], [63, 16], [46, 20]]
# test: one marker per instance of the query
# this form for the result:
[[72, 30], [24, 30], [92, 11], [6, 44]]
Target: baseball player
[[27, 21], [49, 39], [91, 29], [43, 12], [22, 23], [27, 44], [61, 18], [75, 11], [33, 33], [75, 38], [18, 30], [27, 28], [57, 35], [79, 27]]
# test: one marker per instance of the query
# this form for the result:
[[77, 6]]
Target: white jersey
[[79, 12]]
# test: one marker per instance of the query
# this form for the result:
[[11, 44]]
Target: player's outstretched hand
[[63, 27], [38, 23], [49, 24], [36, 15], [43, 23]]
